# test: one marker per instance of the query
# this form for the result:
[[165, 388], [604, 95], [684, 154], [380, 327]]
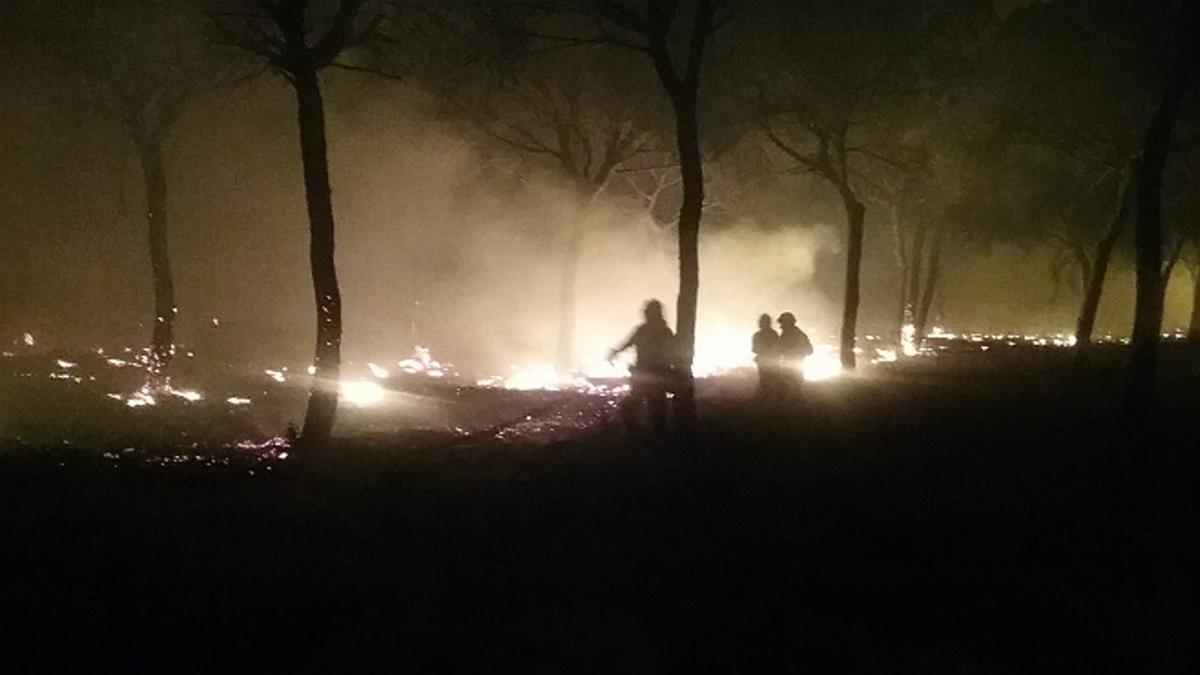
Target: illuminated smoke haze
[[424, 216]]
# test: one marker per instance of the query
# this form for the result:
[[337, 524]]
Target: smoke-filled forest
[[599, 335]]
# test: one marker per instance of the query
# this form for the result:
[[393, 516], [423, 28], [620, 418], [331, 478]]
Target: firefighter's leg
[[656, 400], [631, 403]]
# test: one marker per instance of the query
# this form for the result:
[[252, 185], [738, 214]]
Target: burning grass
[[109, 402]]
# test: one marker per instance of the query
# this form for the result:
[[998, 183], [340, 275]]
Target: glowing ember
[[379, 371], [544, 377], [66, 376], [276, 375], [66, 365], [277, 442], [362, 393], [237, 400], [189, 395], [885, 355], [423, 363], [528, 378], [908, 340], [140, 398], [29, 341]]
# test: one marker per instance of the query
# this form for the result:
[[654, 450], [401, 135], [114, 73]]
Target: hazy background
[[423, 219]]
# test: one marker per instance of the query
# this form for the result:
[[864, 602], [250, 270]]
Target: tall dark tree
[[574, 113], [673, 36], [1097, 262], [298, 39], [1077, 209], [933, 186], [139, 64], [1185, 212], [1148, 312], [1087, 100], [927, 161], [1193, 331], [930, 231], [832, 108]]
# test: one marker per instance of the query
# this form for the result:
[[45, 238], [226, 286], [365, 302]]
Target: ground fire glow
[[362, 393], [368, 386]]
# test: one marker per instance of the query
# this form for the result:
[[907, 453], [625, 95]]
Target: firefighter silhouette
[[653, 368]]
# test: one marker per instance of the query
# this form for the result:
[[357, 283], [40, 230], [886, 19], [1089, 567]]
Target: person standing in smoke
[[794, 347], [765, 345], [652, 370]]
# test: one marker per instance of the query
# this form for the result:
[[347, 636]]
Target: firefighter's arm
[[615, 351]]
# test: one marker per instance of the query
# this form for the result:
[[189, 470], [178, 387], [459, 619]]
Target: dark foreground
[[970, 522]]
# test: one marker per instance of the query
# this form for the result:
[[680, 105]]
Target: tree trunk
[[323, 397], [692, 172], [162, 342], [902, 262], [855, 213], [1148, 312], [915, 268], [1169, 267], [1193, 336], [931, 281], [567, 293], [1085, 265], [1086, 324], [589, 189], [683, 90]]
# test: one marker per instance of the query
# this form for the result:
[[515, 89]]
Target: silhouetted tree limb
[[281, 33], [1148, 311]]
